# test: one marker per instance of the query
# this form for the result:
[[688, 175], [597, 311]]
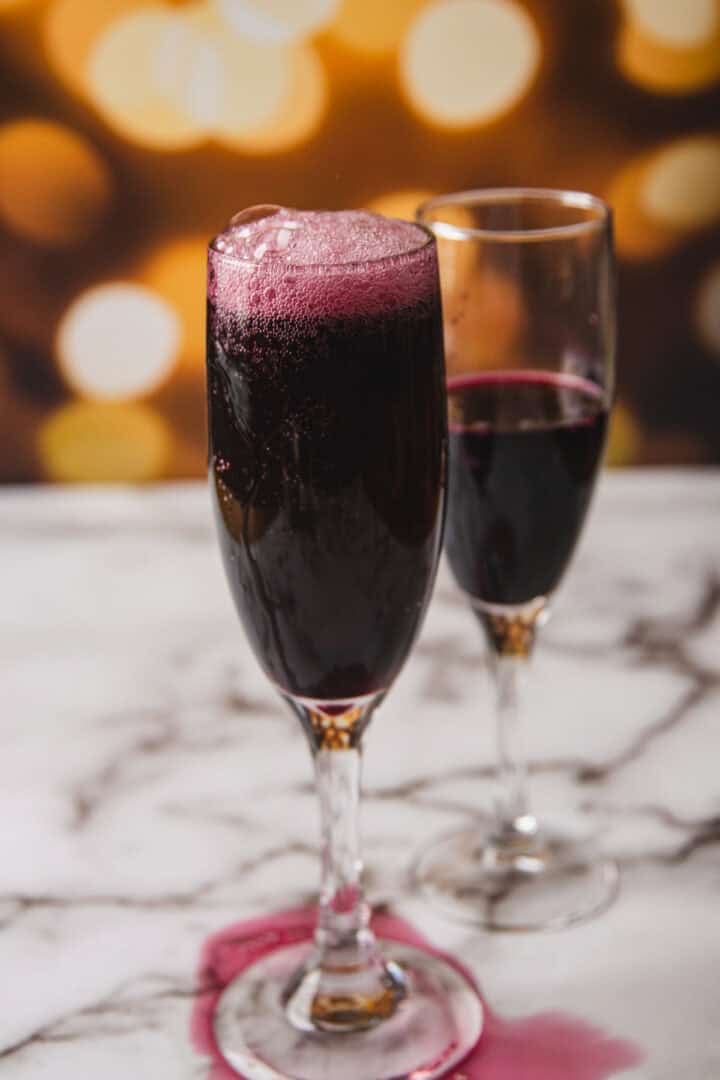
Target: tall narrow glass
[[529, 312], [328, 430]]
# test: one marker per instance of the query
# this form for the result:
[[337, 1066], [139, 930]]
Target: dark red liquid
[[327, 456], [524, 453]]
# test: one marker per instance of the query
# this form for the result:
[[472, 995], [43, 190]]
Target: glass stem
[[344, 915], [514, 815], [511, 637], [346, 984]]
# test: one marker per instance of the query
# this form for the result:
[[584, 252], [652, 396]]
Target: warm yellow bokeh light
[[483, 313], [54, 186], [13, 5], [465, 62], [665, 69], [682, 23], [277, 21], [624, 437], [682, 187], [400, 204], [221, 79], [299, 116], [636, 235], [707, 309], [71, 28], [177, 272], [103, 442], [127, 76], [374, 26], [118, 340]]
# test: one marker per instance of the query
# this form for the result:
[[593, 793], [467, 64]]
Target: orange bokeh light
[[54, 186], [299, 116], [70, 30], [147, 43], [375, 27], [177, 272], [104, 442], [400, 204], [277, 21]]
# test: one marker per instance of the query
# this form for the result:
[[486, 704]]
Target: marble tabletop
[[154, 790]]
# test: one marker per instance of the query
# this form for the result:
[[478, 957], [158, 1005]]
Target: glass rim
[[477, 197], [334, 267]]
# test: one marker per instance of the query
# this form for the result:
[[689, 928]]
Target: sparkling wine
[[524, 453], [327, 442]]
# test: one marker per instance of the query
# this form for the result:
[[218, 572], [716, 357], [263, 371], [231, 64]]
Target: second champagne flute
[[528, 305]]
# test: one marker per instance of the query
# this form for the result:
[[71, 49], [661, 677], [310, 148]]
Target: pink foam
[[547, 1046], [303, 263]]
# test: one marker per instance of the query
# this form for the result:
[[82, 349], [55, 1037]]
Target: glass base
[[542, 881], [434, 1026]]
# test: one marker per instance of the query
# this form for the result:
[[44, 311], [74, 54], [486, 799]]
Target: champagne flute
[[529, 314], [328, 431]]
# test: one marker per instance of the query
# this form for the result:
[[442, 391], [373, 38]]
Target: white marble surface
[[154, 790]]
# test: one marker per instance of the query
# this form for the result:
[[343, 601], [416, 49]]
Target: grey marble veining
[[154, 790]]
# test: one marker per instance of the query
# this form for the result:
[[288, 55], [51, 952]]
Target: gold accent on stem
[[513, 634], [336, 732], [353, 1012]]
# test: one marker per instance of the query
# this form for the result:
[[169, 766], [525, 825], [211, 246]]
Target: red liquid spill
[[548, 1046]]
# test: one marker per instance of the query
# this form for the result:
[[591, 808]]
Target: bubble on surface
[[306, 263]]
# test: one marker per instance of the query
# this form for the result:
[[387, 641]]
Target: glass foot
[[434, 1026], [543, 881]]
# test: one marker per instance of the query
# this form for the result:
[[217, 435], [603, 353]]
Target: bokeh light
[[299, 116], [177, 272], [707, 309], [277, 20], [682, 23], [163, 117], [465, 62], [226, 82], [664, 196], [624, 436], [117, 340], [71, 28], [682, 185], [400, 204], [127, 78], [636, 235], [104, 442], [54, 186], [667, 69], [374, 26], [483, 316]]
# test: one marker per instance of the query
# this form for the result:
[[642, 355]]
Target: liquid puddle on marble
[[547, 1046]]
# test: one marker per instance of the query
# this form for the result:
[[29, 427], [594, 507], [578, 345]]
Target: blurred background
[[130, 131]]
